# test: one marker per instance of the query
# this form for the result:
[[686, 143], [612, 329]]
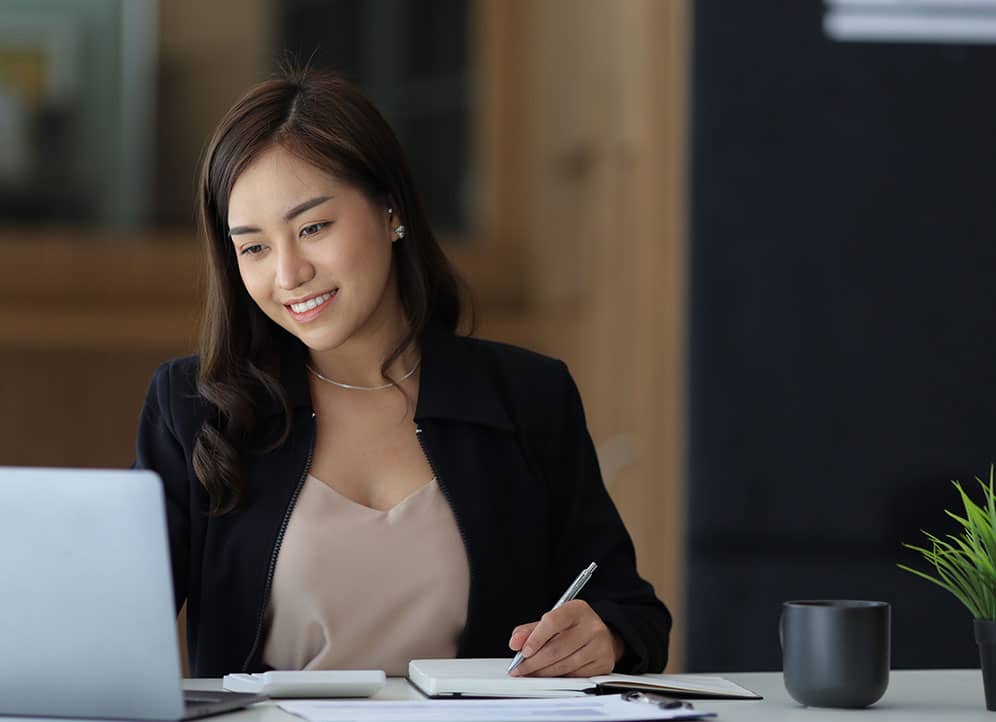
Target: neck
[[358, 362]]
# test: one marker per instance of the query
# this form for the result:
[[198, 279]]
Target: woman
[[349, 483]]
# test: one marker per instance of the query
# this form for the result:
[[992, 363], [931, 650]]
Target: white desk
[[935, 695]]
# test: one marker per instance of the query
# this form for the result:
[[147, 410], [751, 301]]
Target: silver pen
[[572, 591]]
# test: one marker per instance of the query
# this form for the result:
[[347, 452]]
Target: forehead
[[275, 181]]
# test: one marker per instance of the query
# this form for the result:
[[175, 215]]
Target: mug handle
[[781, 631]]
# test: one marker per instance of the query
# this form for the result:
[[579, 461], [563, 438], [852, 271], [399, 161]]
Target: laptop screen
[[86, 614]]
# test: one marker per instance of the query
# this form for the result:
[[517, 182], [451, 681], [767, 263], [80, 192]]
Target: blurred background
[[761, 235]]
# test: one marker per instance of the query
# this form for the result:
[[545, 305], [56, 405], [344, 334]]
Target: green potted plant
[[965, 565]]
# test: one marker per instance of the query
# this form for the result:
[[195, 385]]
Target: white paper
[[603, 708]]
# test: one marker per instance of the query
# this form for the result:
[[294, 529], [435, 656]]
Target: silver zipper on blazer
[[456, 517], [276, 549]]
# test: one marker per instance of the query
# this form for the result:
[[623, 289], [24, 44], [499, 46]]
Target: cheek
[[349, 261], [376, 258], [359, 261]]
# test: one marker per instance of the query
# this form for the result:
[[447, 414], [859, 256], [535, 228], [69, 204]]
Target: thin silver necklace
[[352, 387]]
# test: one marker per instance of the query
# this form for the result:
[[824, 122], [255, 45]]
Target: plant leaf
[[964, 564]]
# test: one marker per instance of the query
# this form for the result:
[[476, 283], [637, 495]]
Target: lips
[[310, 308]]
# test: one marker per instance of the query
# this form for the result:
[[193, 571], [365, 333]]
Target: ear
[[395, 224]]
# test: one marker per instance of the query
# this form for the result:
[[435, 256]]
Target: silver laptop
[[87, 625]]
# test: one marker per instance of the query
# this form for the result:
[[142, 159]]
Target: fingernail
[[527, 651]]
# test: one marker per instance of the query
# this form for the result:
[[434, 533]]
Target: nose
[[293, 269]]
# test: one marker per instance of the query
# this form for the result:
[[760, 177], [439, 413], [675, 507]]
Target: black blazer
[[504, 431]]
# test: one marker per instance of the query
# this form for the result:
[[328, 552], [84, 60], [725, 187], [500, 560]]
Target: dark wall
[[843, 323], [424, 89]]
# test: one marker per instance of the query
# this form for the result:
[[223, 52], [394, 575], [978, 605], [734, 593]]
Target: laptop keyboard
[[202, 704]]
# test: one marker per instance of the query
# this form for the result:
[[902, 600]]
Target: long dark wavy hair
[[325, 120]]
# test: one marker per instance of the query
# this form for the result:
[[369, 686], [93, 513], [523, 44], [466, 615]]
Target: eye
[[252, 250], [313, 228]]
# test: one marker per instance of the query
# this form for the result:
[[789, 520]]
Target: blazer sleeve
[[592, 530], [159, 449]]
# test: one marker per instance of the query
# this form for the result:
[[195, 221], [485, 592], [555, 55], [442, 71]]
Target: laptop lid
[[87, 625]]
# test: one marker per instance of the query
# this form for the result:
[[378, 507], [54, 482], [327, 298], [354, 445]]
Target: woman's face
[[314, 253]]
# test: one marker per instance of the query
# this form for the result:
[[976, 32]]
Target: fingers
[[550, 624], [589, 661], [569, 666], [592, 669], [570, 640], [556, 657], [519, 635]]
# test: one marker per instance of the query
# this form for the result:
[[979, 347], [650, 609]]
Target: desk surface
[[912, 695]]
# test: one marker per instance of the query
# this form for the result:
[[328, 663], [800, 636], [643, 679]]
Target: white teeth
[[310, 303]]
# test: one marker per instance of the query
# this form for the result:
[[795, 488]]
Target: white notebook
[[487, 678]]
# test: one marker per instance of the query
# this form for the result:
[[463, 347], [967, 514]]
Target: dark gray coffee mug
[[835, 652]]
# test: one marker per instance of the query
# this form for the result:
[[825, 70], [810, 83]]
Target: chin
[[322, 340]]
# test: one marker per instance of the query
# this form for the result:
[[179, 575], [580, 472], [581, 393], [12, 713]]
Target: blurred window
[[105, 104], [76, 109]]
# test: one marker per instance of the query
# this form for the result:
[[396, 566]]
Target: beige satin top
[[359, 588]]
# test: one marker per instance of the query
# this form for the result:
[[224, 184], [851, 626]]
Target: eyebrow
[[289, 216]]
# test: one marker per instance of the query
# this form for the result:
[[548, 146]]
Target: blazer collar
[[454, 385]]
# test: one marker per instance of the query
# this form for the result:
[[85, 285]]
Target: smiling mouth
[[311, 303]]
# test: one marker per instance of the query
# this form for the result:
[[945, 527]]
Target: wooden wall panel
[[602, 241], [72, 407], [84, 320]]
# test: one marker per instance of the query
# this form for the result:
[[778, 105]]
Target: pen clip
[[660, 700], [577, 584]]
